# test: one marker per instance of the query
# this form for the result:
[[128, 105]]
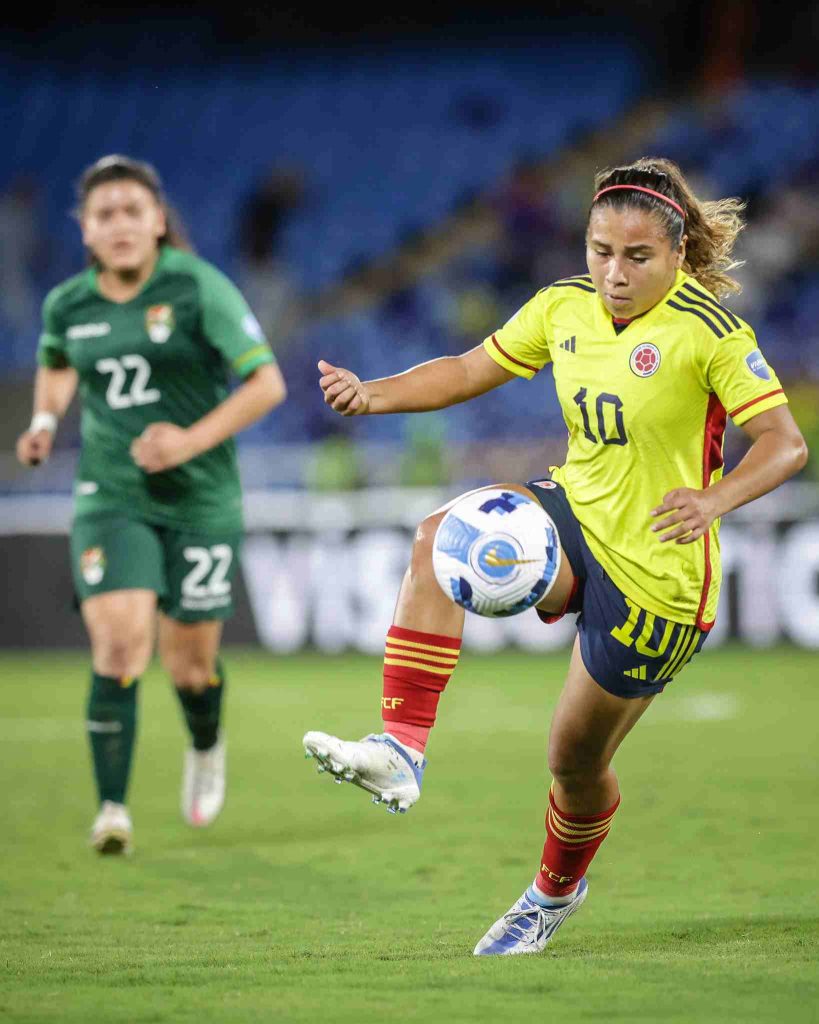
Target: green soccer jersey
[[165, 355]]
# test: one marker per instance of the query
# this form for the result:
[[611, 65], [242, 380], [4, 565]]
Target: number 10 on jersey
[[602, 400]]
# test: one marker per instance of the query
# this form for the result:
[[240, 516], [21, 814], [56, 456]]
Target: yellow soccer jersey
[[646, 412]]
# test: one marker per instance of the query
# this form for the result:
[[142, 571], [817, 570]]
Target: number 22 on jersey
[[138, 393]]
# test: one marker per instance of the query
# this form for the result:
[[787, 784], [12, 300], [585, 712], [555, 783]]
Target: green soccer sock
[[111, 724], [203, 710]]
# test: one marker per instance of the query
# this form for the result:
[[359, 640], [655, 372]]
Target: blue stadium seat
[[387, 145]]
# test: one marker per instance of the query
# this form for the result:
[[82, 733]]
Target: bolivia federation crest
[[92, 565], [645, 360], [159, 323]]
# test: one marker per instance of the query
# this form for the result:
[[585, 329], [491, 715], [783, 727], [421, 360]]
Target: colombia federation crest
[[645, 360]]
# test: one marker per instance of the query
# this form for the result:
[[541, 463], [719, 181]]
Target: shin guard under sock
[[572, 840], [417, 667], [203, 710], [111, 724]]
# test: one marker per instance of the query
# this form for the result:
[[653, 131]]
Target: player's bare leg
[[588, 726], [189, 653], [120, 625], [422, 651]]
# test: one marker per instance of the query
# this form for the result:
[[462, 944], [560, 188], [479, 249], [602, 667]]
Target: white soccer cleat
[[387, 769], [527, 927], [203, 784], [112, 831]]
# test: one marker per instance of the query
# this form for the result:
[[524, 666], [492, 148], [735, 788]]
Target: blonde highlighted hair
[[711, 226]]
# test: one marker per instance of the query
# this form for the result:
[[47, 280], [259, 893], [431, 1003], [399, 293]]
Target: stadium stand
[[390, 149]]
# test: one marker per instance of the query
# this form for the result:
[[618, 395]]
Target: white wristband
[[43, 421]]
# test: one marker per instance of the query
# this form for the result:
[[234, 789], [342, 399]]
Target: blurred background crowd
[[386, 190]]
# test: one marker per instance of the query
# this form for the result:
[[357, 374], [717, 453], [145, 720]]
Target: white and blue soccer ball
[[496, 552]]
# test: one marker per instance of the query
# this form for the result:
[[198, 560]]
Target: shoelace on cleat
[[539, 918]]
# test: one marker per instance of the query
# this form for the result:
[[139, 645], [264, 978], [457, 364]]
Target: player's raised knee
[[428, 527], [423, 543], [425, 533]]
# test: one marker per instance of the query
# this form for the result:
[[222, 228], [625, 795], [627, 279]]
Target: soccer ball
[[496, 552]]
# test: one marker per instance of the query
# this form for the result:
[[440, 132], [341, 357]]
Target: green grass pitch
[[305, 902]]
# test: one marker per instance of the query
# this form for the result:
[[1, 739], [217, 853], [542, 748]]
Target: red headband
[[640, 188]]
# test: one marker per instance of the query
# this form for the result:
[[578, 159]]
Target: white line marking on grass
[[39, 730], [696, 707]]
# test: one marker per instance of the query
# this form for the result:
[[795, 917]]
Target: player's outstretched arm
[[778, 451], [433, 385], [53, 391]]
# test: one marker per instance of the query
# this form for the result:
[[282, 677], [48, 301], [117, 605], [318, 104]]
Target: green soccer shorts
[[191, 573]]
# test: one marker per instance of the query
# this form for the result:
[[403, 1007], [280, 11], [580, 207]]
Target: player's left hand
[[162, 446], [688, 515]]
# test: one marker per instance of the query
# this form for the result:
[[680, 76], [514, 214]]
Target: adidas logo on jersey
[[636, 673], [569, 344]]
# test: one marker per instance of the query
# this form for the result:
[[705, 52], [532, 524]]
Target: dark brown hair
[[123, 168], [711, 226]]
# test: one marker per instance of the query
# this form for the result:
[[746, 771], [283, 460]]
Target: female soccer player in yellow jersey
[[647, 365], [150, 333]]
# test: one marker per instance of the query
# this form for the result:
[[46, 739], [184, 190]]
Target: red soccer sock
[[572, 840], [417, 667], [413, 736]]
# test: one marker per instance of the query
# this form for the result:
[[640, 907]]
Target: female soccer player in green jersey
[[647, 366], [149, 334]]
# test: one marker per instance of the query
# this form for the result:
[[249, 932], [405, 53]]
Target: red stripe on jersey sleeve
[[715, 419], [512, 359], [753, 401]]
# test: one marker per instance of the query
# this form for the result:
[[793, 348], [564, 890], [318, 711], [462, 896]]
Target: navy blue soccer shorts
[[629, 651]]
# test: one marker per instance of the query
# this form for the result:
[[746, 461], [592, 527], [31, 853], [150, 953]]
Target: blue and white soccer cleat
[[377, 763], [527, 927]]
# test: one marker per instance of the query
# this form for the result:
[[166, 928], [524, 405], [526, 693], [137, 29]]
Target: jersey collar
[[603, 319], [160, 262]]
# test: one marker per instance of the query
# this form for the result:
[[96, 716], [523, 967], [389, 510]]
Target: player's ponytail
[[124, 168], [711, 226]]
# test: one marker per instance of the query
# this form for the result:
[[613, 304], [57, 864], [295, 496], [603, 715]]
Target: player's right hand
[[343, 391], [34, 448]]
